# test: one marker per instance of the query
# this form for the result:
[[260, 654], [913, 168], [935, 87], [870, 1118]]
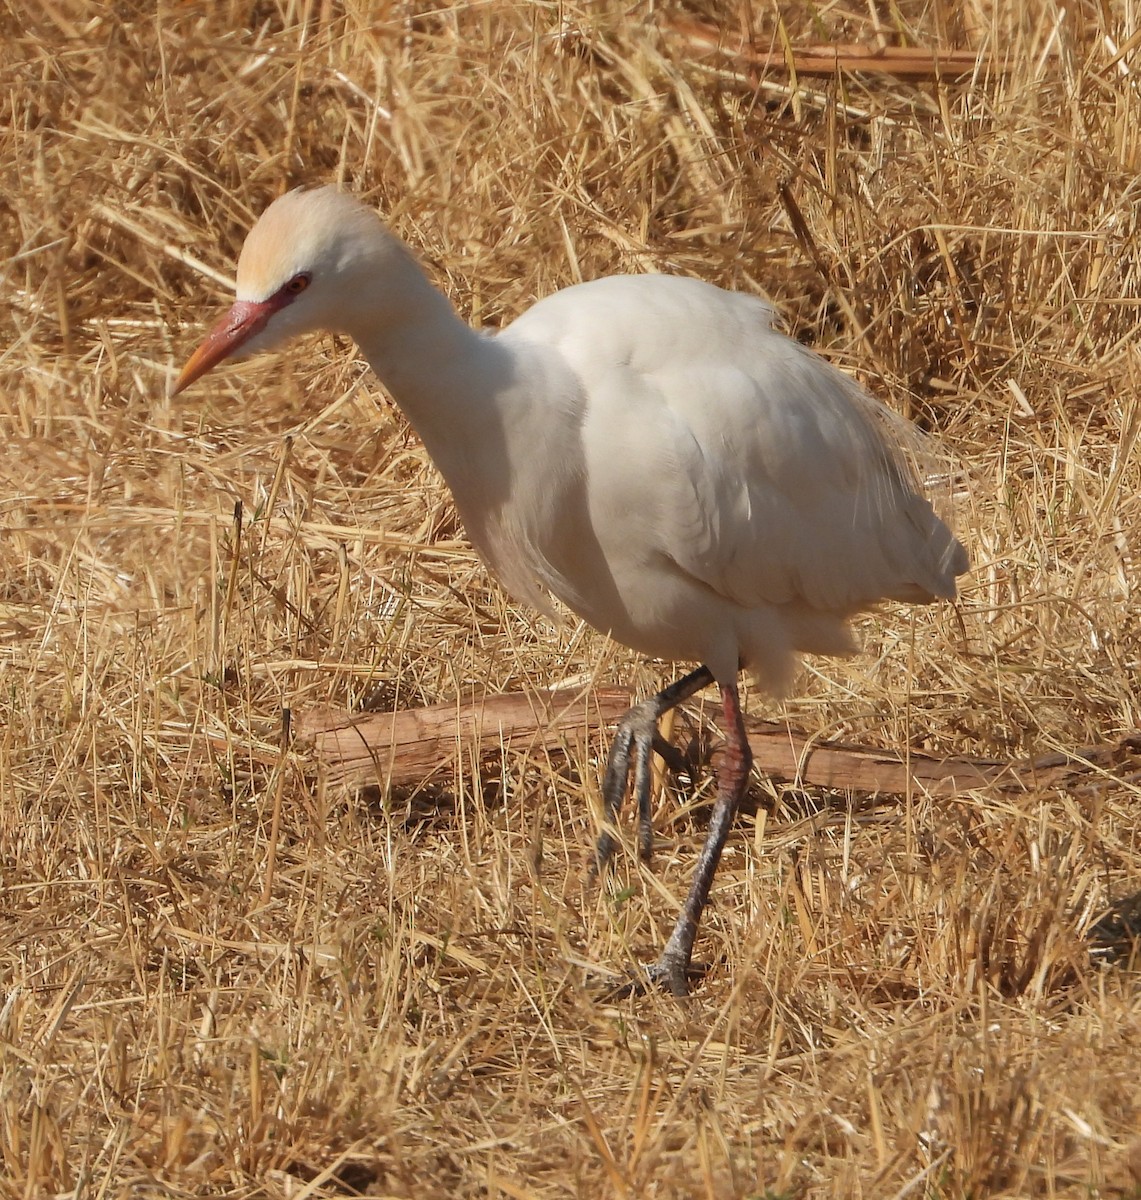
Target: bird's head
[[312, 259]]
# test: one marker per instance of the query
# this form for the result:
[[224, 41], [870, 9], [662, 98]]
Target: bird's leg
[[672, 969], [636, 739]]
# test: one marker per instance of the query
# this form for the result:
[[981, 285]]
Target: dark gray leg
[[672, 968], [635, 740]]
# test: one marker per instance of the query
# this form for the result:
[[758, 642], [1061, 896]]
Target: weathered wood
[[787, 756], [826, 59], [412, 745]]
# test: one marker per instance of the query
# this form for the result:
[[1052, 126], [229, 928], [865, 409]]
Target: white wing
[[719, 444]]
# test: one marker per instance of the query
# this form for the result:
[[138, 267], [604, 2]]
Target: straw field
[[223, 976]]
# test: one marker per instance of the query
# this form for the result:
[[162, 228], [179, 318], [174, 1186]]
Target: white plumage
[[648, 449]]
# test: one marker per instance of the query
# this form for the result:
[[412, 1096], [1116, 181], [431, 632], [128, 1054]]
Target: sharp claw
[[645, 841], [603, 852]]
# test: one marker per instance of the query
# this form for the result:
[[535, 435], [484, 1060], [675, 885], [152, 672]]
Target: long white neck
[[499, 418], [427, 357]]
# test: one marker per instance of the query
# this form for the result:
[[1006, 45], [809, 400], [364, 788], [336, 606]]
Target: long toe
[[642, 754], [603, 852], [613, 793]]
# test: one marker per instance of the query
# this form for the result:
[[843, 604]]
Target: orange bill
[[245, 318]]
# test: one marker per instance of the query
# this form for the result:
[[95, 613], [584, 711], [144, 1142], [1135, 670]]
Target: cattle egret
[[648, 449]]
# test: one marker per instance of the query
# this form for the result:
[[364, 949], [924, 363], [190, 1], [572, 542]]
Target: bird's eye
[[297, 284]]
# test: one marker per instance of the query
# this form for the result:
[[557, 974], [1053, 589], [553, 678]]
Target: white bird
[[648, 449]]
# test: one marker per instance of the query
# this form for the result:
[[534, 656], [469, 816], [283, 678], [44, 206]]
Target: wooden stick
[[904, 62], [411, 746]]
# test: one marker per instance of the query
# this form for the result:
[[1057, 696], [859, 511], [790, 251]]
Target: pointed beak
[[245, 318]]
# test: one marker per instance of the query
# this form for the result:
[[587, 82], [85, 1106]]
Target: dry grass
[[899, 1003]]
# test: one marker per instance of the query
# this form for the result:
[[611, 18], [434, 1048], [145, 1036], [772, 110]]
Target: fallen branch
[[788, 756], [903, 62], [412, 745]]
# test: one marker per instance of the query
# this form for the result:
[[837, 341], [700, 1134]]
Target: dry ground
[[900, 1003]]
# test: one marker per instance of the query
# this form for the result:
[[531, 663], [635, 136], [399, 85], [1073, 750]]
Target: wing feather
[[749, 462]]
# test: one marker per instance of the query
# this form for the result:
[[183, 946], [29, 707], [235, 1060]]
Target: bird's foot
[[631, 750], [636, 740], [667, 974], [673, 972]]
